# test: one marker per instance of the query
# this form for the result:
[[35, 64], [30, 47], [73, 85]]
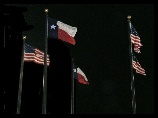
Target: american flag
[[135, 39], [32, 54], [137, 66]]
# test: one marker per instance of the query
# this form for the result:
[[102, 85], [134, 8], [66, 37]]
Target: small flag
[[135, 39], [32, 54], [62, 31], [137, 66], [80, 76]]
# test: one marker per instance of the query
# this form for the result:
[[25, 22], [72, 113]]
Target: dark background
[[102, 52]]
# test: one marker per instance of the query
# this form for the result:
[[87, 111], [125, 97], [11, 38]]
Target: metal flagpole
[[44, 99], [132, 76], [21, 78], [72, 88], [4, 35]]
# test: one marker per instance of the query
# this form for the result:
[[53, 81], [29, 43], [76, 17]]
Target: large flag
[[32, 54], [62, 31], [135, 39], [80, 76], [137, 66]]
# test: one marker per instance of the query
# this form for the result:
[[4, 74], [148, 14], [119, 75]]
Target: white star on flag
[[53, 26]]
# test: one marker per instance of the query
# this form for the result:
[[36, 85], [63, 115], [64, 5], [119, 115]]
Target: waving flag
[[137, 66], [62, 31], [135, 39], [80, 76], [32, 54]]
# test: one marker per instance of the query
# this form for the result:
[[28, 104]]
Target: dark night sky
[[102, 52]]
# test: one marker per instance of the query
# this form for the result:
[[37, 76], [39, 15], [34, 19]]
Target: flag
[[135, 39], [62, 31], [137, 66], [32, 54], [80, 76]]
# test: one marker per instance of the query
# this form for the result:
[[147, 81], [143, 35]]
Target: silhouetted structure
[[59, 71], [58, 85], [31, 101], [14, 25], [59, 78]]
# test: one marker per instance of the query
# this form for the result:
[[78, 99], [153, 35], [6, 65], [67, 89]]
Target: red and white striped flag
[[32, 54], [135, 39], [137, 66]]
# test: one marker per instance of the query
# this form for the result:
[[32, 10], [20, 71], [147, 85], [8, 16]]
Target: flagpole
[[44, 99], [72, 88], [131, 66], [21, 78], [4, 36]]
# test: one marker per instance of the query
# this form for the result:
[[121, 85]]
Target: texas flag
[[80, 76], [62, 31]]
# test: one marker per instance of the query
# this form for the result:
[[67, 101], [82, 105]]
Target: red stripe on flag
[[81, 79], [64, 36]]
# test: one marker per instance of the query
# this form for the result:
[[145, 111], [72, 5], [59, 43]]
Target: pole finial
[[24, 37], [46, 10], [128, 17]]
